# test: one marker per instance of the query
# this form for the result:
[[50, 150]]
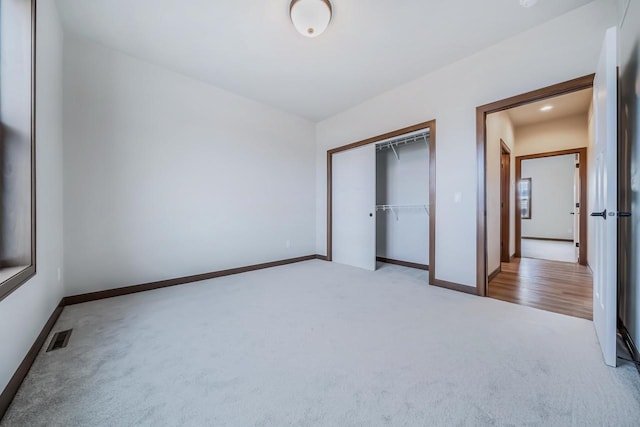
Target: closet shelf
[[395, 208], [403, 140]]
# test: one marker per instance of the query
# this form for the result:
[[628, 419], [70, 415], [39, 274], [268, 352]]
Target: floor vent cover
[[59, 340]]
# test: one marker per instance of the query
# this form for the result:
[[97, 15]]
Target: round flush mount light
[[310, 17], [528, 3], [547, 108]]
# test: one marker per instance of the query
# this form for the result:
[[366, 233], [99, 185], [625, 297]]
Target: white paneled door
[[604, 217], [354, 207]]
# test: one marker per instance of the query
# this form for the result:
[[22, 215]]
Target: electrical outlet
[[59, 274]]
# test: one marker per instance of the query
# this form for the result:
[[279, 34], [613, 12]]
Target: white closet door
[[354, 207]]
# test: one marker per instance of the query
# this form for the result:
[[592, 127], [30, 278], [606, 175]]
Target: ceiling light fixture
[[547, 108], [310, 17]]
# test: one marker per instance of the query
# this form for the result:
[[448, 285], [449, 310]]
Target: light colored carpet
[[551, 250], [320, 344]]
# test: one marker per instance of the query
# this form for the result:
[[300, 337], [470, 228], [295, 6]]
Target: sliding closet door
[[354, 207]]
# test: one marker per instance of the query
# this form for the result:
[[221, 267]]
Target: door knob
[[603, 214]]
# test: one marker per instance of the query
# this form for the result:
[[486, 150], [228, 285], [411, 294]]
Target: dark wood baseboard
[[512, 257], [631, 346], [116, 292], [12, 387], [403, 263], [494, 273], [550, 239], [454, 286], [322, 257]]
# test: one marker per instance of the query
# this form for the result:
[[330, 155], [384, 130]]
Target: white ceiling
[[251, 48], [567, 105]]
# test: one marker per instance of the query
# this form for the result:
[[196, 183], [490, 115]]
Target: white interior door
[[576, 209], [604, 217], [354, 207]]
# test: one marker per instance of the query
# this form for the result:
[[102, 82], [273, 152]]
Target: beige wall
[[145, 147], [555, 135], [499, 127]]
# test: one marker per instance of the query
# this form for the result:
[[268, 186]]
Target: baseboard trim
[[116, 292], [455, 286], [512, 257], [494, 273], [403, 263], [631, 346], [321, 257], [589, 267], [550, 239], [12, 387]]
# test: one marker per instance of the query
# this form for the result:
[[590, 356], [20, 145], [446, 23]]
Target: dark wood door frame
[[582, 152], [574, 85], [431, 125], [505, 203]]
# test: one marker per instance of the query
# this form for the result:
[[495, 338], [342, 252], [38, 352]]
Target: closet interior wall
[[403, 234]]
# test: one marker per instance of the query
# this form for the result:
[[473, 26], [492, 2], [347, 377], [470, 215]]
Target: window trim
[[17, 280]]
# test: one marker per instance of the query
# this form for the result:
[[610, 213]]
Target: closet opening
[[402, 200], [381, 200]]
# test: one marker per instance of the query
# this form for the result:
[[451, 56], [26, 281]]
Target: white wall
[[499, 127], [552, 199], [25, 311], [403, 181], [166, 176], [629, 293], [528, 61], [554, 135]]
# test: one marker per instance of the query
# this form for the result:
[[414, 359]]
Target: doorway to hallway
[[535, 249]]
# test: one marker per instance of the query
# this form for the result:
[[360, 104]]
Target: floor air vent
[[59, 340]]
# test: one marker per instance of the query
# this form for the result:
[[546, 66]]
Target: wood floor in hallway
[[560, 287]]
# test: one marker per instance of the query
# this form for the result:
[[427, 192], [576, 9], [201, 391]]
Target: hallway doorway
[[551, 194], [535, 156]]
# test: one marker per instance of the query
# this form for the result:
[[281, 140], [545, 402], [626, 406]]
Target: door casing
[[582, 152], [505, 202], [431, 125], [482, 112]]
